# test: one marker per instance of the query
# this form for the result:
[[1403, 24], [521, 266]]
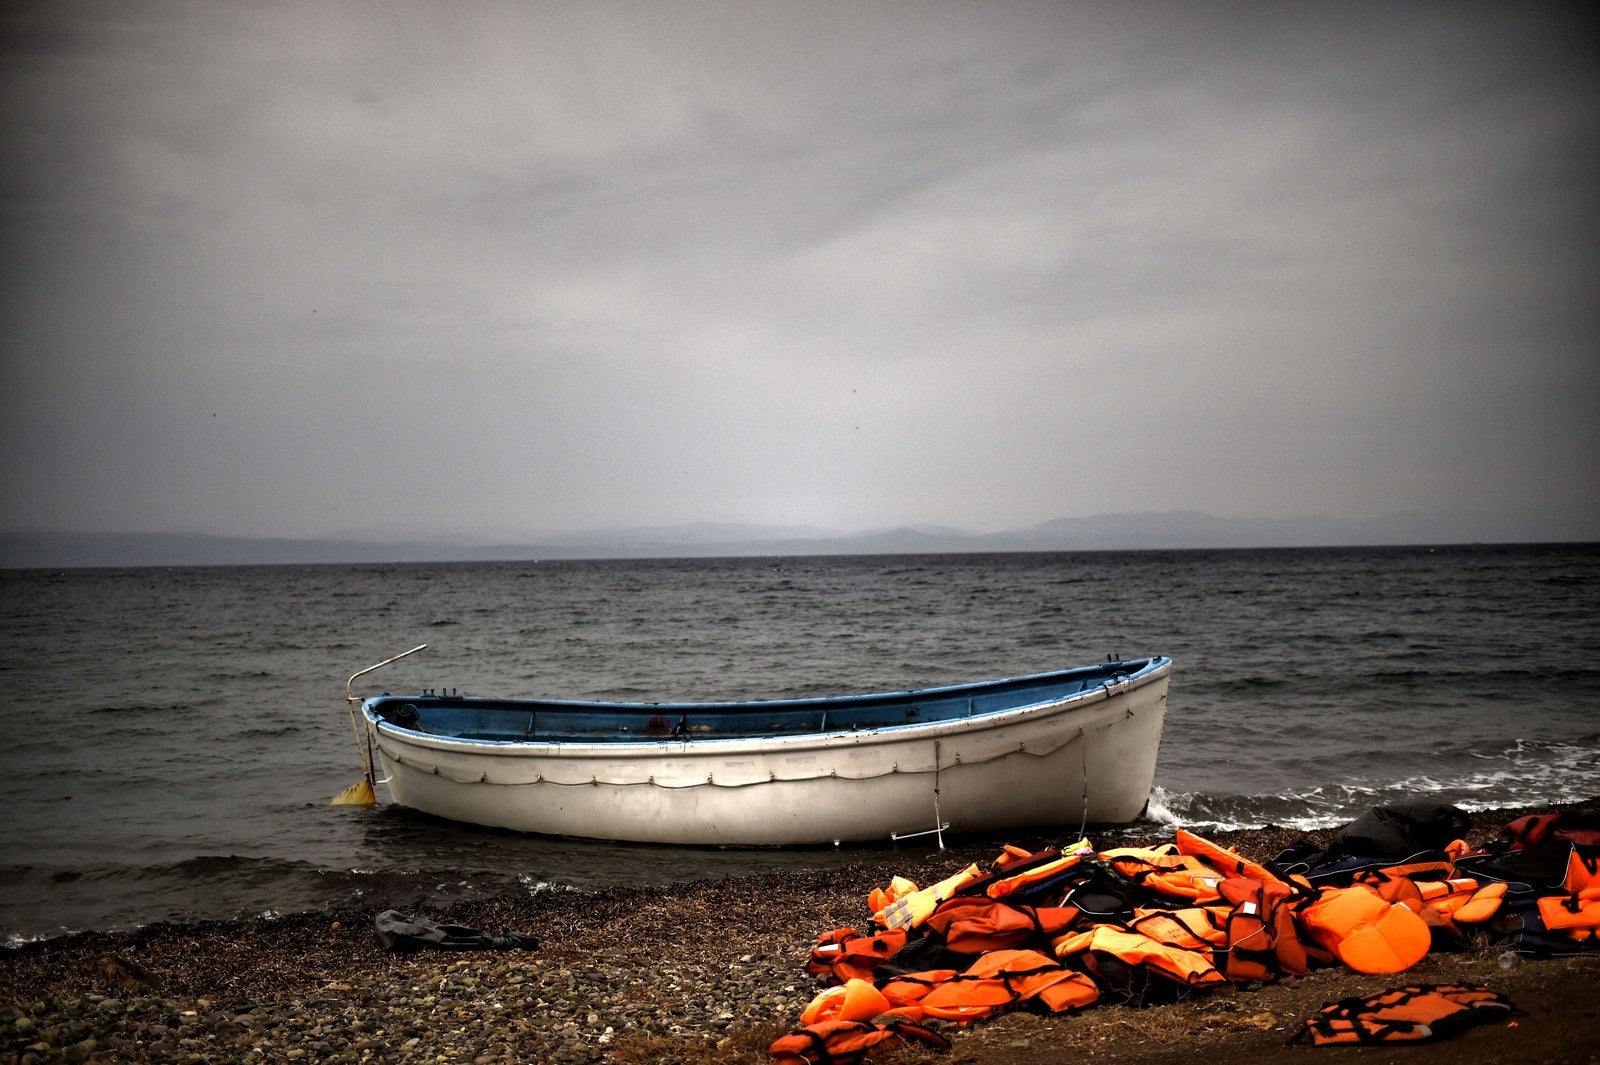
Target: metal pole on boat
[[361, 793], [939, 823]]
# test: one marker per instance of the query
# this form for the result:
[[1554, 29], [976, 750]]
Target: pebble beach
[[711, 971]]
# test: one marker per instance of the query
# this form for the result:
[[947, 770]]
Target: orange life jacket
[[905, 991], [848, 1042], [853, 1000], [1408, 881], [1199, 928], [1012, 868], [1583, 872], [1166, 872], [1365, 932], [1466, 902], [1444, 902], [1263, 942], [972, 924], [1405, 1014], [1525, 832], [1580, 827], [845, 953], [1138, 951], [1005, 884], [909, 911], [1002, 978], [1229, 862], [1577, 912], [879, 898]]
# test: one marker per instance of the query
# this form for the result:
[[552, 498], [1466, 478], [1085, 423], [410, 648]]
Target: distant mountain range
[[1176, 530]]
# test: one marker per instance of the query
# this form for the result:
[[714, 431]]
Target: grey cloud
[[282, 268]]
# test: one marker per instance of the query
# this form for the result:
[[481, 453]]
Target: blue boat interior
[[468, 717]]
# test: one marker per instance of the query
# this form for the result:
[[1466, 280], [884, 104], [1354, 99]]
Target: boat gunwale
[[1152, 669]]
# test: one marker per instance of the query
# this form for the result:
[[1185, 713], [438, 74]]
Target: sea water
[[173, 735]]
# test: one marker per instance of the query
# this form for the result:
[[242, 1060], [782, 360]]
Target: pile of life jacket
[[1060, 929]]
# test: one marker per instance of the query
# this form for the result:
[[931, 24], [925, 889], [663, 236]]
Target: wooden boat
[[1052, 749]]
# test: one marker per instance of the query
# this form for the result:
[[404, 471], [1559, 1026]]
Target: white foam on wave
[[1524, 773], [1306, 811], [1158, 810]]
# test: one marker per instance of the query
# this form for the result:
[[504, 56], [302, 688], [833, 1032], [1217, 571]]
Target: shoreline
[[711, 970]]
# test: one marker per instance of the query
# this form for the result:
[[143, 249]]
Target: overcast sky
[[297, 268]]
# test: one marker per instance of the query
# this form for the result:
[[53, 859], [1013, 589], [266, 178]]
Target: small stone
[[79, 1052]]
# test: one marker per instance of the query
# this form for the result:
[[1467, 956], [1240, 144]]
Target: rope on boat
[[1083, 754], [712, 782]]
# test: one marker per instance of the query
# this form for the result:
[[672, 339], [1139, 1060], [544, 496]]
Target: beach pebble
[[707, 972]]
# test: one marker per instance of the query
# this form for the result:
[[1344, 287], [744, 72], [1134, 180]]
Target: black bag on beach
[[1384, 834], [400, 934], [1400, 830]]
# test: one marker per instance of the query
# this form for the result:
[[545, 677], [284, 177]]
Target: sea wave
[[1524, 773]]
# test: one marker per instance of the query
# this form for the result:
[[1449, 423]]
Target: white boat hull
[[1086, 758]]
